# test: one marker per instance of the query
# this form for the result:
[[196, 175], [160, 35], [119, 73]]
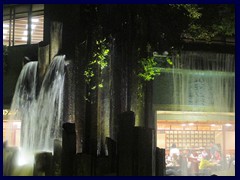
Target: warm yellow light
[[5, 25], [35, 20], [5, 112], [32, 26], [24, 38]]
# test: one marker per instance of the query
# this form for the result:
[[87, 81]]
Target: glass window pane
[[37, 29], [21, 31], [6, 28], [7, 33]]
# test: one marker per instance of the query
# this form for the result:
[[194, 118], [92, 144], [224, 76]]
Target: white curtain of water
[[204, 81], [40, 116]]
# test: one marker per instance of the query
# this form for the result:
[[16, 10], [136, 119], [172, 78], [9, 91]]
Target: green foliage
[[88, 73], [101, 54], [196, 31], [149, 70], [99, 59], [208, 21], [150, 66], [169, 61], [192, 10]]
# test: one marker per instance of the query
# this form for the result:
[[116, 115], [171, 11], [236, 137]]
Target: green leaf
[[169, 61]]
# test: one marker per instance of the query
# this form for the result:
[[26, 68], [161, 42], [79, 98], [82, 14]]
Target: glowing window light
[[24, 38], [5, 31], [26, 33], [228, 125], [35, 20], [213, 125], [4, 37], [5, 25], [32, 26], [191, 124], [184, 125]]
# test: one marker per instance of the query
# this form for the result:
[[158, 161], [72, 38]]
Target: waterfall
[[41, 116], [204, 81]]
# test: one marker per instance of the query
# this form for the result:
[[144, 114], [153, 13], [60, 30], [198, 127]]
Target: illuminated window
[[23, 24]]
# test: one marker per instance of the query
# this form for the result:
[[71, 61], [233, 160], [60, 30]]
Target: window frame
[[14, 13]]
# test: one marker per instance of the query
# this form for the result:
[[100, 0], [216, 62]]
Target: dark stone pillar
[[112, 153], [115, 89], [57, 155], [68, 148], [160, 162], [125, 143], [144, 152], [83, 165], [43, 164], [55, 38], [149, 113], [43, 63], [69, 93], [79, 98], [103, 166]]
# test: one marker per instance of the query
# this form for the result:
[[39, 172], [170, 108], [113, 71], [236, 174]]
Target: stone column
[[68, 149], [69, 94], [160, 162], [55, 38], [125, 144], [43, 164], [144, 152], [43, 63]]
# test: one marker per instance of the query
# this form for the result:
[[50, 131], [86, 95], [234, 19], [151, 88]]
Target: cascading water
[[204, 82], [41, 116], [25, 92], [195, 103]]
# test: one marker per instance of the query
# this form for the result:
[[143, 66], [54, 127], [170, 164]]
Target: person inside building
[[213, 149], [193, 163], [174, 150], [205, 165], [173, 166], [204, 153]]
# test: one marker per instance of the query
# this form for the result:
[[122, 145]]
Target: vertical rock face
[[125, 141], [55, 38], [69, 94], [68, 149], [43, 63], [144, 152], [160, 162]]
